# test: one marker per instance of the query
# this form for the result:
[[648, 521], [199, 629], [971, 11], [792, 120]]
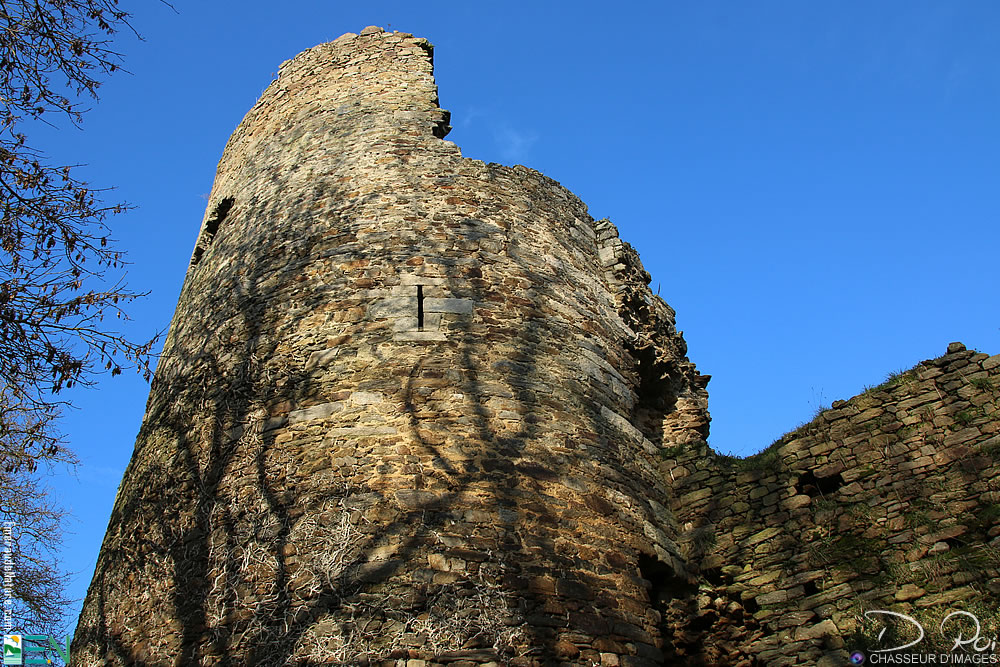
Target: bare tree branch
[[61, 278]]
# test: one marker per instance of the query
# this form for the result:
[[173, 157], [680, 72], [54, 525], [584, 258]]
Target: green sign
[[12, 650], [18, 649]]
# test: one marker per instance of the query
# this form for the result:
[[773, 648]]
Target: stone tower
[[416, 410], [411, 406]]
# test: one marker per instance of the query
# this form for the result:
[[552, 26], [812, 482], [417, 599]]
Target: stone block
[[795, 619], [774, 597], [397, 306], [796, 502], [829, 469], [419, 336], [965, 435], [360, 431], [459, 306], [946, 597], [437, 562], [414, 499], [908, 592], [823, 628], [410, 281], [366, 398], [607, 255], [765, 578], [315, 412], [322, 358]]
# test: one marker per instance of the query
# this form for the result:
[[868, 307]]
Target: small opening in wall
[[813, 486], [211, 227], [810, 588], [665, 585], [954, 542], [420, 307], [714, 576]]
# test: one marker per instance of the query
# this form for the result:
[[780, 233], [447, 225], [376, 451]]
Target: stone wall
[[411, 406], [888, 501], [418, 410]]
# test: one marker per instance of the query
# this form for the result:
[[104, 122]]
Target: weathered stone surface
[[439, 418], [415, 499], [315, 412], [908, 592], [893, 491], [463, 306], [410, 407]]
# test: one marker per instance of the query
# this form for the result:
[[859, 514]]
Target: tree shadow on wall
[[217, 510]]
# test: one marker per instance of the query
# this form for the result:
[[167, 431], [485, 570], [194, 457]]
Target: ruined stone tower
[[418, 410], [410, 404]]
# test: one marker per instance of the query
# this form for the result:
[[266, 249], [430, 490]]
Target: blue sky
[[813, 186]]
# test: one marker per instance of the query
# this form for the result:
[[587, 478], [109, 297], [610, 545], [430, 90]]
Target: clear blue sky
[[813, 186]]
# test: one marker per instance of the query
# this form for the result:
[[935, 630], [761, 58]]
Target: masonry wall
[[411, 406], [418, 410], [888, 501]]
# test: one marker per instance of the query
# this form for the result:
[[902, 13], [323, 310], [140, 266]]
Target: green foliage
[[974, 557], [870, 389], [965, 417], [983, 384], [917, 517], [671, 452], [820, 409], [898, 632], [934, 572], [860, 511], [824, 504], [902, 376], [881, 631], [767, 460], [893, 379], [867, 471], [984, 518], [992, 450], [847, 551], [703, 540], [895, 573]]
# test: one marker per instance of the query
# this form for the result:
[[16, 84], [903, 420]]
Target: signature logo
[[33, 650], [955, 632]]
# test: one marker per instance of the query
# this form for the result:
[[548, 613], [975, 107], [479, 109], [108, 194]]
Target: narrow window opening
[[211, 227], [420, 307]]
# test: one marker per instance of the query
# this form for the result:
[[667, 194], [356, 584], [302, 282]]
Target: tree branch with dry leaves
[[62, 283]]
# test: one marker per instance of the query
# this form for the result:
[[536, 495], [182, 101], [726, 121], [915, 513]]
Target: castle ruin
[[419, 410]]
